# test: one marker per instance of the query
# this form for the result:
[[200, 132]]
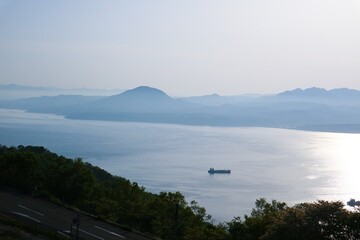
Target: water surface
[[287, 165]]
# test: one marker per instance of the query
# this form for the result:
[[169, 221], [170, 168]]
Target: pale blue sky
[[184, 47]]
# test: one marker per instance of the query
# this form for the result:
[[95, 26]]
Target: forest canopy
[[37, 171]]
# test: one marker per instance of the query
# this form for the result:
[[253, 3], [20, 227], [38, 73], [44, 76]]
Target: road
[[61, 218]]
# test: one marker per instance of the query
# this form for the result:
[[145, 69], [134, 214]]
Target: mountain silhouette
[[320, 95], [310, 109], [142, 99]]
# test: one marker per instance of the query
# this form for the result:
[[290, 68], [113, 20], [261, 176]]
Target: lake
[[286, 165]]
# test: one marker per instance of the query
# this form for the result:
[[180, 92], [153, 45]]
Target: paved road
[[44, 212]]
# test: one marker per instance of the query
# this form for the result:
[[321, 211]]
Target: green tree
[[320, 220], [19, 170], [262, 217], [94, 190], [236, 228], [163, 215]]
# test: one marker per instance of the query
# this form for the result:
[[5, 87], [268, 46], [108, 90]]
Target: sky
[[183, 47]]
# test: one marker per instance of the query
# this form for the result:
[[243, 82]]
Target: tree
[[262, 217], [315, 221], [19, 170], [236, 228], [95, 191]]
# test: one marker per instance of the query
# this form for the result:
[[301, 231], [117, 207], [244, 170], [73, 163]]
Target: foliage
[[37, 171], [261, 217], [321, 220]]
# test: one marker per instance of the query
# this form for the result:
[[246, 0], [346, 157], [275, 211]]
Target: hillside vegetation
[[39, 172]]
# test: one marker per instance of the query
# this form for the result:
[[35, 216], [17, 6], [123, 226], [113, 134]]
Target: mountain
[[13, 91], [60, 104], [141, 104], [218, 100], [15, 87], [309, 92], [144, 92], [320, 95], [139, 100], [309, 109]]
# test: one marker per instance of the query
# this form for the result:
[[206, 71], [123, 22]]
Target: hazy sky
[[184, 47]]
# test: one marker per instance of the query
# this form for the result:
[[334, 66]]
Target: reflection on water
[[344, 159], [287, 165]]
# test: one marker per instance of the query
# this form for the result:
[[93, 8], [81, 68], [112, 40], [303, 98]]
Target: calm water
[[287, 165]]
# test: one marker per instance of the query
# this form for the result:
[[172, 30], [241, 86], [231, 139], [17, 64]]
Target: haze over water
[[286, 165]]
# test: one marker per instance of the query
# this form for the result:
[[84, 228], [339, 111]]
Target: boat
[[213, 171]]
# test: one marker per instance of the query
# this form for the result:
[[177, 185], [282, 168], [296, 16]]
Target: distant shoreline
[[312, 109], [330, 128]]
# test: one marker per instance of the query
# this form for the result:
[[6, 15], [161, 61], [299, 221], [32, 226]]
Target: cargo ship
[[213, 171]]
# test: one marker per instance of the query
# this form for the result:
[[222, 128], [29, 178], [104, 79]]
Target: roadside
[[42, 216], [11, 232]]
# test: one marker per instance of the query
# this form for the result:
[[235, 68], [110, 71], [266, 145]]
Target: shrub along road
[[63, 219]]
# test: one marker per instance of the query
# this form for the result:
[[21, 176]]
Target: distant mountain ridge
[[145, 91], [313, 108], [340, 95], [320, 91], [60, 104], [142, 99], [14, 91], [140, 93], [22, 87]]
